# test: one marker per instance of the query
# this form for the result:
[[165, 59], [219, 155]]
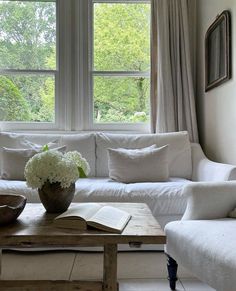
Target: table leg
[[110, 268]]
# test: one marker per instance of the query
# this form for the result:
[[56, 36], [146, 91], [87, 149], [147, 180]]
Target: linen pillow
[[54, 144], [138, 165], [27, 141], [179, 151], [14, 161]]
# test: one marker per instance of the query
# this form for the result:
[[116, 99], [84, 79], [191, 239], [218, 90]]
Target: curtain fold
[[172, 92]]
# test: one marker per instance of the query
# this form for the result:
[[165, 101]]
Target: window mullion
[[122, 1], [29, 72], [64, 100], [122, 73]]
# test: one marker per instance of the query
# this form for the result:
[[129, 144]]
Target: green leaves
[[45, 148], [122, 36], [13, 107], [81, 173]]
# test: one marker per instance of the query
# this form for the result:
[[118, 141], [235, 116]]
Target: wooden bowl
[[11, 207]]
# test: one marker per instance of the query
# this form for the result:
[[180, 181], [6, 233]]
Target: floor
[[137, 271], [162, 285]]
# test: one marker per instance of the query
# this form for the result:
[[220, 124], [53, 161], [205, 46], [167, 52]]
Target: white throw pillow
[[14, 161], [139, 165], [26, 141], [179, 156], [54, 144]]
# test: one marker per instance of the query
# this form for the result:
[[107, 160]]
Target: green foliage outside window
[[12, 105], [28, 42], [121, 43]]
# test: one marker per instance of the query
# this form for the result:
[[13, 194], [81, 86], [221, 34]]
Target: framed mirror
[[218, 51]]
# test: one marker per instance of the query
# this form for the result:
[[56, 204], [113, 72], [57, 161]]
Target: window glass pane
[[118, 99], [27, 35], [27, 98], [121, 36]]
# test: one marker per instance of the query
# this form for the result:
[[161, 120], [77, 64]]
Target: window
[[27, 61], [120, 62], [74, 65]]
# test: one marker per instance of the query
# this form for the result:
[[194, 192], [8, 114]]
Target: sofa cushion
[[26, 140], [163, 198], [207, 248], [84, 143], [19, 188], [124, 164], [179, 159]]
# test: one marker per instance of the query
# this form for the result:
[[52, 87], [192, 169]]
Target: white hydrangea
[[52, 166], [80, 161]]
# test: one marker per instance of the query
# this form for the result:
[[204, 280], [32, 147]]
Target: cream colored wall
[[216, 109]]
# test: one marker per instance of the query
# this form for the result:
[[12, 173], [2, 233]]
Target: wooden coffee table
[[34, 228]]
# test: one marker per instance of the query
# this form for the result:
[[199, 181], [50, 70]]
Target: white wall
[[216, 109]]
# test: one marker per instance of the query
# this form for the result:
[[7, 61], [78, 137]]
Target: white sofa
[[204, 240], [187, 163]]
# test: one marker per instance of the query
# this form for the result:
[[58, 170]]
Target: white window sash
[[88, 120], [121, 1], [58, 122]]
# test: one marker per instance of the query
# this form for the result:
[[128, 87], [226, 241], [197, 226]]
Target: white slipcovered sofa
[[204, 240], [186, 161]]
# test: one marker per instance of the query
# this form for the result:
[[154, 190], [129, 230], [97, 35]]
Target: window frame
[[73, 75], [59, 122], [89, 108]]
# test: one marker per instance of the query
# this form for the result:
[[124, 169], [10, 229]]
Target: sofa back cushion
[[179, 157], [84, 143]]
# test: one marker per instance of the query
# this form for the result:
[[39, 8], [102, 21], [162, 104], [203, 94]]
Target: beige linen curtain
[[172, 92]]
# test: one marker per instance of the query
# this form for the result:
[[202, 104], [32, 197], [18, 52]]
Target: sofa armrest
[[209, 200], [206, 170]]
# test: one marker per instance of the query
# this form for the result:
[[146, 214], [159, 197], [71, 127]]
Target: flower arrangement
[[55, 167]]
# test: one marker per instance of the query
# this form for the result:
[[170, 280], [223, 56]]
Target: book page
[[81, 211], [109, 218]]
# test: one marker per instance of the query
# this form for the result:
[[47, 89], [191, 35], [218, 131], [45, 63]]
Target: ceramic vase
[[56, 199]]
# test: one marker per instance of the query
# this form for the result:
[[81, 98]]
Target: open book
[[102, 217]]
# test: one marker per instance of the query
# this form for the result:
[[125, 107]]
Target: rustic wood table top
[[34, 228]]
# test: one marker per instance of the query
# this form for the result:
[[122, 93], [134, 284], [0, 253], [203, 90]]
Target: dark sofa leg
[[172, 267]]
